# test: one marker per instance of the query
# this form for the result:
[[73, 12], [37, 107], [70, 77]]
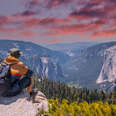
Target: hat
[[14, 52]]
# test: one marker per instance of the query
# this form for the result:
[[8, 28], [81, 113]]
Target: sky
[[58, 21]]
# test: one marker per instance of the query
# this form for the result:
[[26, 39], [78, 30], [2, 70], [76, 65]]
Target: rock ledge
[[21, 106]]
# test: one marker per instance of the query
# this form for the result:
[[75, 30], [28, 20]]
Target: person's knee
[[29, 88]]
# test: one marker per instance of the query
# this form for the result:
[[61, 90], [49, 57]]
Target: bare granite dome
[[108, 72]]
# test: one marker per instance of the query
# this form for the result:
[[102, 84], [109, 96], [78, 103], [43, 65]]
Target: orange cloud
[[54, 41], [106, 34]]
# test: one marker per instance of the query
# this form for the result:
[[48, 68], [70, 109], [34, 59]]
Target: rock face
[[111, 87], [44, 66], [20, 106], [108, 72], [84, 68], [107, 76]]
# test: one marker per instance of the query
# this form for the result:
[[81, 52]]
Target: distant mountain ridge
[[81, 69], [71, 49], [33, 48], [33, 56], [85, 67]]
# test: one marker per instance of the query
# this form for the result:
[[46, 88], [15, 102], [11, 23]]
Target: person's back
[[17, 68]]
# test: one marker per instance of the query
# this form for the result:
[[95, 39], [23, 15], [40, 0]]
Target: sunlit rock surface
[[21, 106], [108, 72]]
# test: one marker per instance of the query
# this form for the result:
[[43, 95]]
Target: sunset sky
[[58, 21]]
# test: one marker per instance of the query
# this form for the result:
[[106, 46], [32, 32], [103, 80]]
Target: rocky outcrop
[[111, 87], [21, 106], [107, 76], [108, 72]]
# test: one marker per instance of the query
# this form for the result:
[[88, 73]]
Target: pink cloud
[[25, 34], [4, 20], [91, 17], [106, 34]]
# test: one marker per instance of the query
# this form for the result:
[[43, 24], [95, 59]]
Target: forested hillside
[[72, 101], [60, 91]]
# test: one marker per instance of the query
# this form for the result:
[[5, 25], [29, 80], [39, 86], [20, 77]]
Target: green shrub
[[65, 108]]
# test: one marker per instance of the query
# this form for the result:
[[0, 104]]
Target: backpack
[[4, 71], [25, 81]]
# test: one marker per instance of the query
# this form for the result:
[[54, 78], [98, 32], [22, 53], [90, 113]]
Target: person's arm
[[29, 73], [4, 70]]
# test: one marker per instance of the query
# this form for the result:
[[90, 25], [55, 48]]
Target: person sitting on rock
[[20, 75]]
